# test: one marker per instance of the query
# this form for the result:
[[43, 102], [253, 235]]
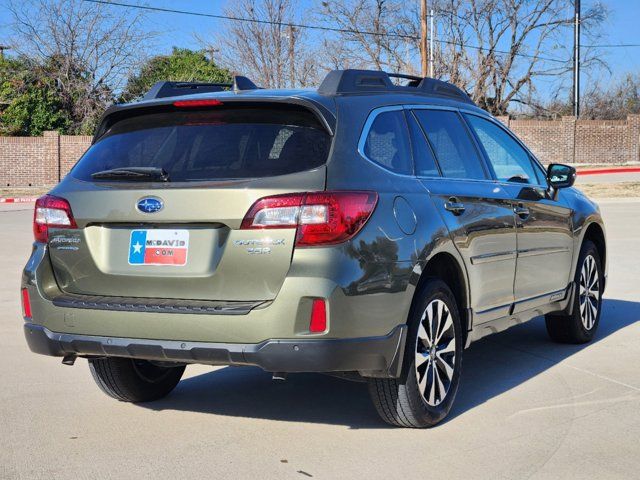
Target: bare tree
[[88, 49], [275, 54], [607, 102], [497, 49], [379, 34]]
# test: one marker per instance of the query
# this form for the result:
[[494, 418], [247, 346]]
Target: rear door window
[[387, 142], [454, 149], [214, 144]]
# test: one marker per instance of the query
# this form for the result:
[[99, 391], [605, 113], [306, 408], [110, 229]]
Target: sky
[[179, 30]]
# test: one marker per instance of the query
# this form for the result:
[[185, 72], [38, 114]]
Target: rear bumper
[[370, 356]]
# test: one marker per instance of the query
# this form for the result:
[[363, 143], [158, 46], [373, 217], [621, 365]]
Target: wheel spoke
[[441, 389], [438, 322], [430, 317], [450, 347], [432, 390], [594, 309], [592, 271], [422, 385], [448, 369], [421, 358], [447, 324], [424, 336]]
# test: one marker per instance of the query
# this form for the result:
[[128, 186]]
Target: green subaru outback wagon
[[371, 229]]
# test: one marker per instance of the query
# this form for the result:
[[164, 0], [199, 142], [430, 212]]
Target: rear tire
[[130, 380], [581, 325], [424, 394]]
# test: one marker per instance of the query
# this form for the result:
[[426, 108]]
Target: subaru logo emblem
[[149, 205]]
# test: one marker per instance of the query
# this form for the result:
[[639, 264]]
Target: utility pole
[[292, 59], [432, 35], [212, 51], [424, 44], [576, 60]]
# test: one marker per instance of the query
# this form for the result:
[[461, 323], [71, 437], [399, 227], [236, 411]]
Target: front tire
[[130, 380], [581, 325], [424, 394]]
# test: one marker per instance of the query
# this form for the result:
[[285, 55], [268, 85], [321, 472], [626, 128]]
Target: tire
[[415, 399], [581, 325], [131, 380]]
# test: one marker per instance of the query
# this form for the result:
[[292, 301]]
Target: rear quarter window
[[215, 144], [387, 142]]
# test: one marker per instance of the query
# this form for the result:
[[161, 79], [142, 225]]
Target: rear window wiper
[[133, 173]]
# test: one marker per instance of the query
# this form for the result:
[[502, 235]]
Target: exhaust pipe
[[69, 360]]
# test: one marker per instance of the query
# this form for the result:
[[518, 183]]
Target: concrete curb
[[18, 199], [599, 171]]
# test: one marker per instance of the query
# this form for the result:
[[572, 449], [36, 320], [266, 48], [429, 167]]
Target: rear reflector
[[196, 103], [318, 322], [26, 303], [322, 218], [50, 212]]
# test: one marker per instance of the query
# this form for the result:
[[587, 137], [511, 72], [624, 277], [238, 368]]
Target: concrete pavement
[[527, 408]]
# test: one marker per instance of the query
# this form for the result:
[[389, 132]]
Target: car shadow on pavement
[[492, 366]]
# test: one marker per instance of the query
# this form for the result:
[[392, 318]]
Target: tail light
[[322, 218], [26, 303], [51, 212]]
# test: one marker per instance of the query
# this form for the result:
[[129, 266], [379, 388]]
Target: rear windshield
[[220, 143]]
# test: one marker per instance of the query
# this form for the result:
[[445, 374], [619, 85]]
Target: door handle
[[521, 211], [454, 206]]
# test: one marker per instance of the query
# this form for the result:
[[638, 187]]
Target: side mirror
[[560, 176]]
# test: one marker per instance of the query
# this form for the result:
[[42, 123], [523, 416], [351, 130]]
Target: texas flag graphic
[[158, 247]]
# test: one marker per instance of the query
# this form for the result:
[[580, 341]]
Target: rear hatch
[[160, 197]]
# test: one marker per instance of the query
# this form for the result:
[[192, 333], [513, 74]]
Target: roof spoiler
[[348, 81], [164, 89]]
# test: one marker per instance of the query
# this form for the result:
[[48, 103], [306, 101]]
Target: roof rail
[[164, 89], [340, 82]]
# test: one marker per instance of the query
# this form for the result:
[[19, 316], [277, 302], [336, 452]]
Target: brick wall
[[42, 161], [581, 141], [38, 161], [71, 149]]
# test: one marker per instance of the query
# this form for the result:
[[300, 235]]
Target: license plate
[[158, 247]]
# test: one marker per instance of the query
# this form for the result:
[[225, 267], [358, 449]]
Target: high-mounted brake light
[[196, 103], [322, 218], [51, 212]]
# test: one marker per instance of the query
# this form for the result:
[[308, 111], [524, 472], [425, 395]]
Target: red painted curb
[[598, 171], [18, 200]]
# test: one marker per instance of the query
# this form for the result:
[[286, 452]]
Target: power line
[[615, 45], [315, 27]]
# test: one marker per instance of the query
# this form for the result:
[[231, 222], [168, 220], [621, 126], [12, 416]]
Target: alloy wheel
[[589, 296], [435, 359]]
